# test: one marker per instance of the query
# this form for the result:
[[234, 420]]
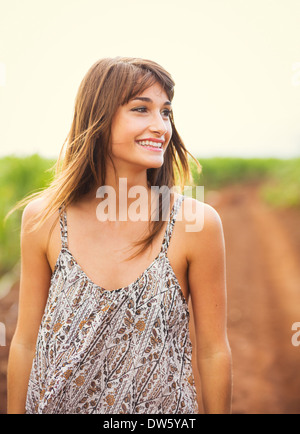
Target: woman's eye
[[140, 109], [167, 113]]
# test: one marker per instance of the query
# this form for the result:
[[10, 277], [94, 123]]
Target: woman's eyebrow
[[141, 98]]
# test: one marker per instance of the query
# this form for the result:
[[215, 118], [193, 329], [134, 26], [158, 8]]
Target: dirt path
[[263, 279], [8, 316]]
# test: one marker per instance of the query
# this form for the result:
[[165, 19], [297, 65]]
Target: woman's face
[[141, 130]]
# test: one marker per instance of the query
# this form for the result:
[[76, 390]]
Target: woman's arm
[[207, 284], [34, 286]]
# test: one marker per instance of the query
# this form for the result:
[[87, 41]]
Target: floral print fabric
[[126, 351]]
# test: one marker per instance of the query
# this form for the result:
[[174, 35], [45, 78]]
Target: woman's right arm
[[34, 287]]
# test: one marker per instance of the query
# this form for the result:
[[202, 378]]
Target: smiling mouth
[[148, 144]]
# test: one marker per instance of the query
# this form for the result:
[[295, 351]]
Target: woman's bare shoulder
[[33, 208], [36, 208], [194, 209], [32, 214], [202, 225]]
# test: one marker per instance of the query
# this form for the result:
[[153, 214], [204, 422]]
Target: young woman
[[101, 331]]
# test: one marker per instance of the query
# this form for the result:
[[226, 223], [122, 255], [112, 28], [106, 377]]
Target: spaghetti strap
[[63, 227], [167, 236], [171, 222]]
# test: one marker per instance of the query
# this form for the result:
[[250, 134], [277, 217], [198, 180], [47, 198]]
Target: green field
[[18, 178], [280, 178], [21, 176]]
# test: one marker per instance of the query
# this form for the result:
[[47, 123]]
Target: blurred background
[[236, 65]]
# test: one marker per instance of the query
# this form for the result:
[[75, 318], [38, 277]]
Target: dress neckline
[[162, 253], [101, 288]]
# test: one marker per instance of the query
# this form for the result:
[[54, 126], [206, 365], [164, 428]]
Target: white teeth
[[149, 143]]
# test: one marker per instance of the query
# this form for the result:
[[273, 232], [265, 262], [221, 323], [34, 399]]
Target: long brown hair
[[109, 83]]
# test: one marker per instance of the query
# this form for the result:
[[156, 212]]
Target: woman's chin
[[154, 165]]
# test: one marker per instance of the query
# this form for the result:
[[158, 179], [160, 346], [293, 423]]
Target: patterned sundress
[[126, 351]]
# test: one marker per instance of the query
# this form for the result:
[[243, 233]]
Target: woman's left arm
[[207, 285]]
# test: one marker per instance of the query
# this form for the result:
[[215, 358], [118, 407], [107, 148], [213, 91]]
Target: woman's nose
[[158, 125]]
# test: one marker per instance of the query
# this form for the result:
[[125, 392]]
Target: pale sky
[[236, 64]]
